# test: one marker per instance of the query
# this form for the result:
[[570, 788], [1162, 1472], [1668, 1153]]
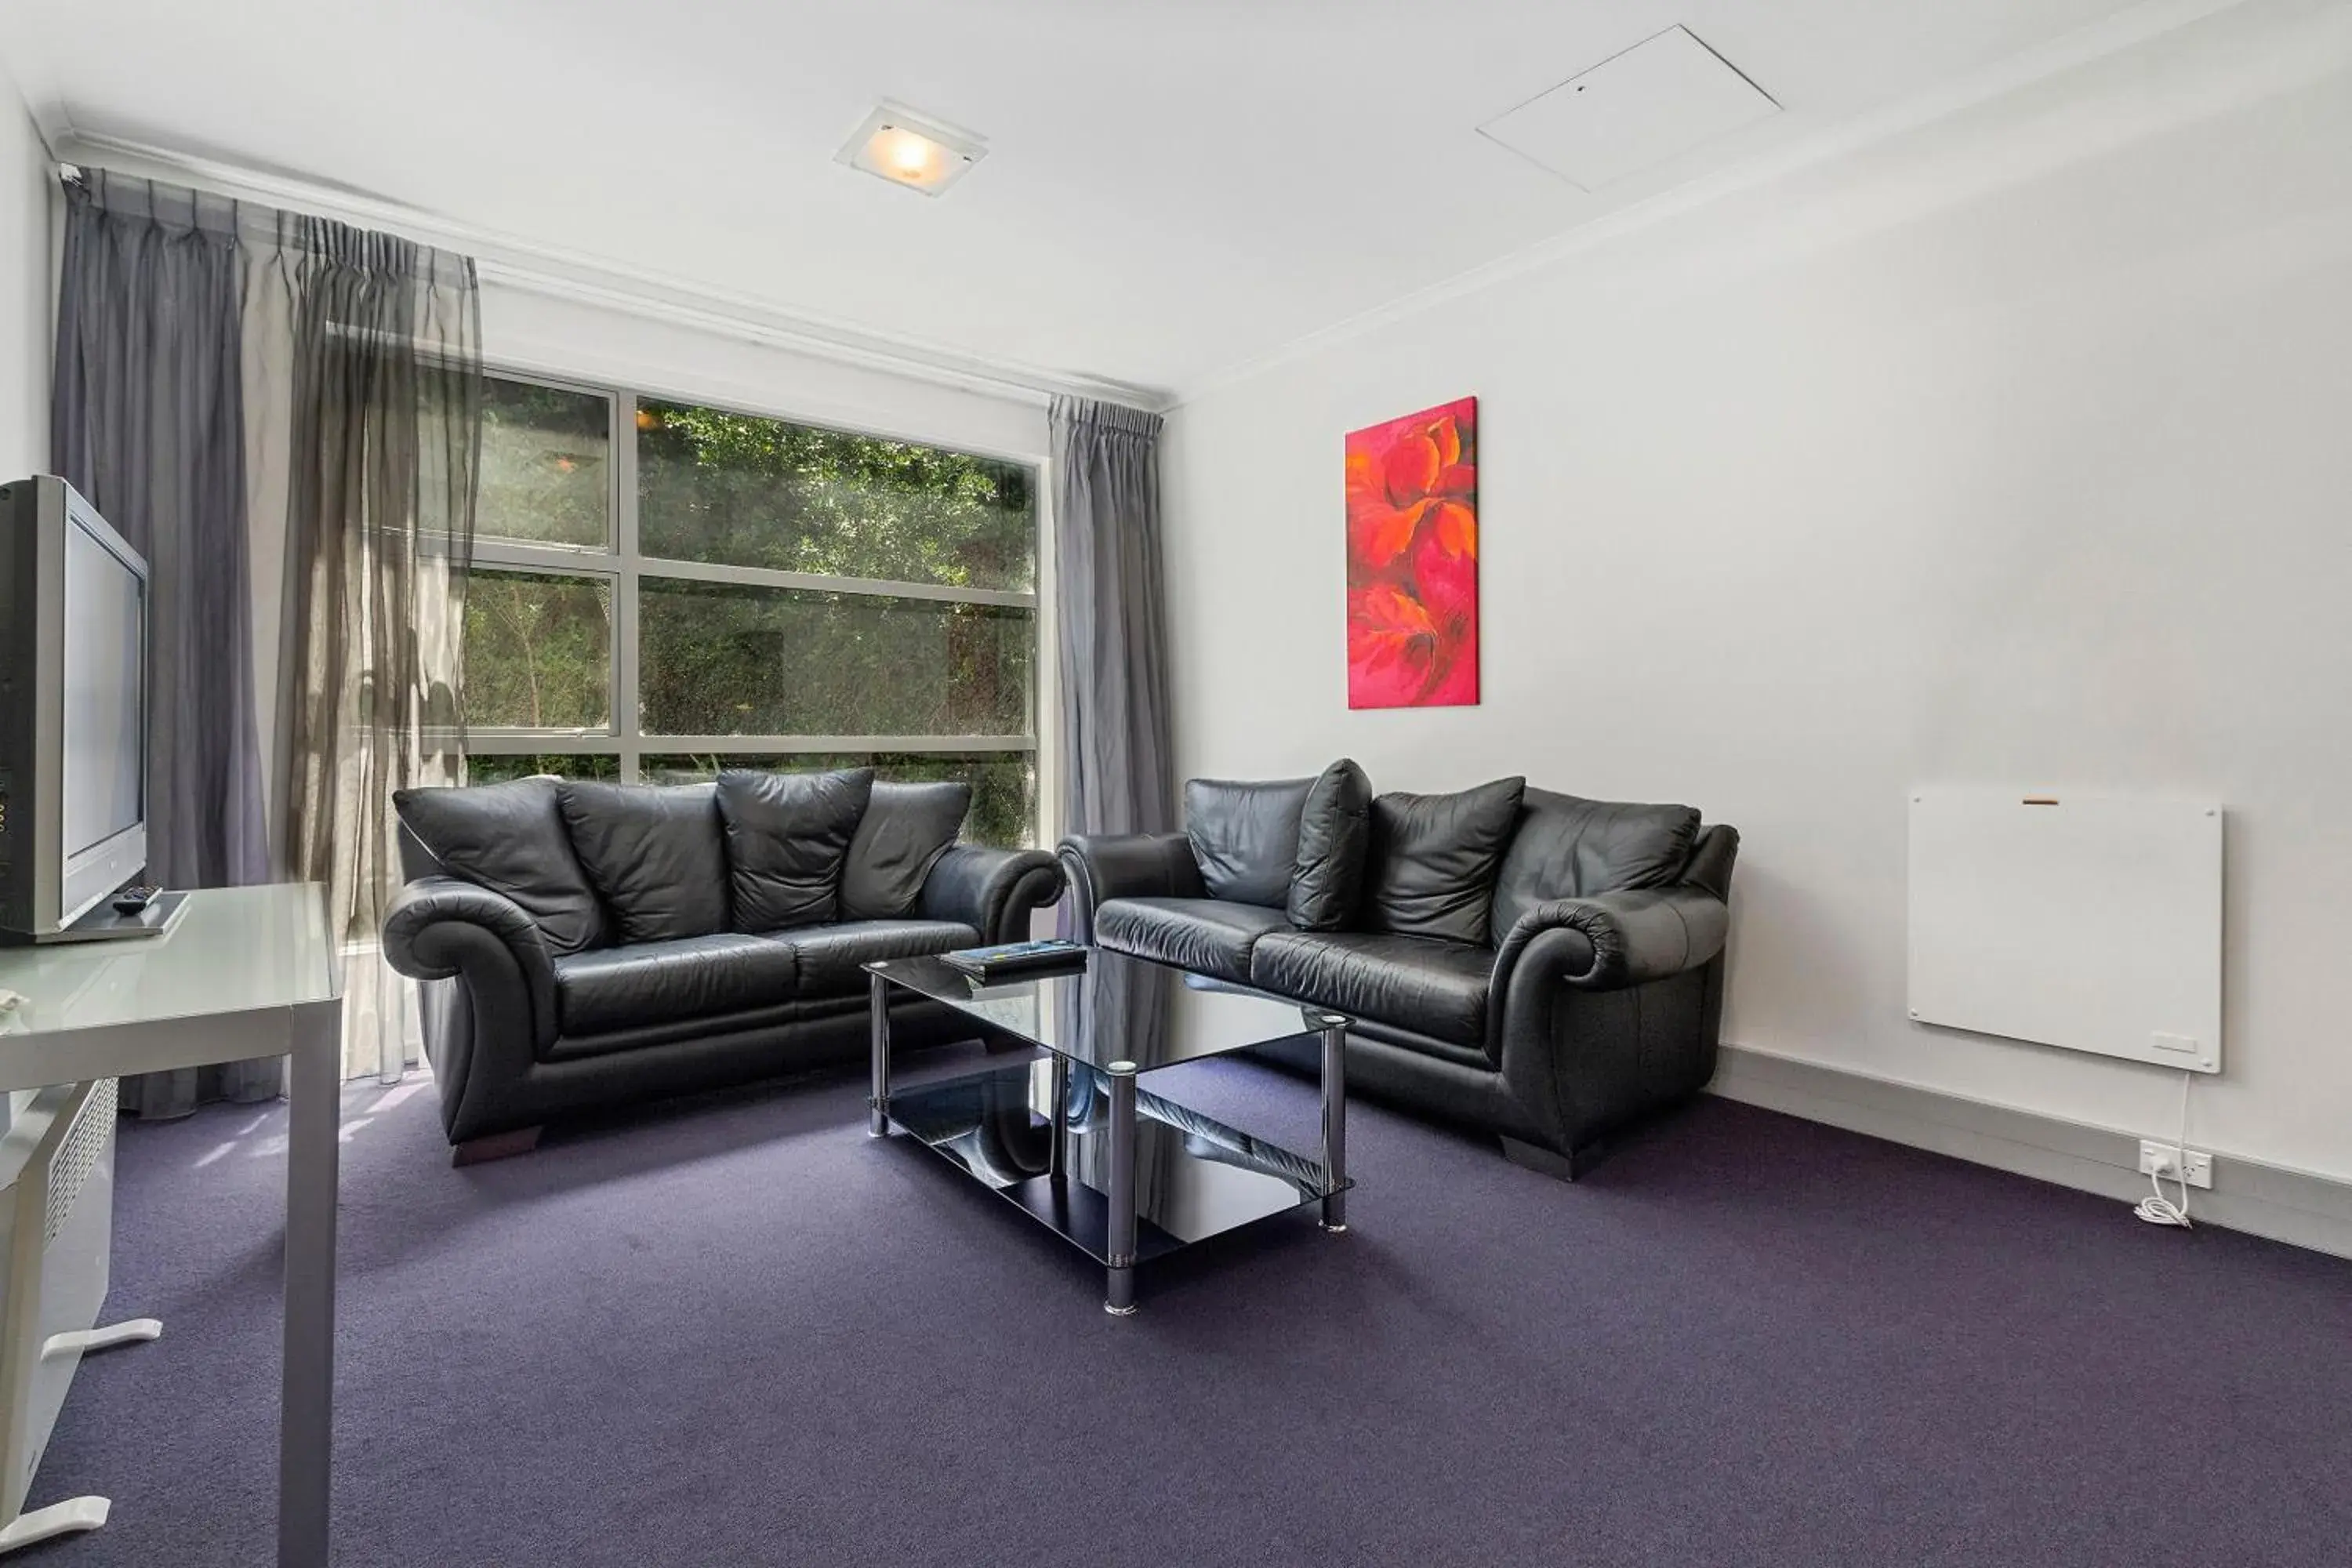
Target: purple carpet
[[740, 1333]]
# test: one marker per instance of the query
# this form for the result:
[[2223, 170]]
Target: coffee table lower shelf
[[1195, 1177]]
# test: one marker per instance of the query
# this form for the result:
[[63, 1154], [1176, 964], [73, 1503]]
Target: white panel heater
[[2088, 921], [57, 1228]]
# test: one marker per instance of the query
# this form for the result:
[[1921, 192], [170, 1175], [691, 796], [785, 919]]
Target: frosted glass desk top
[[235, 950]]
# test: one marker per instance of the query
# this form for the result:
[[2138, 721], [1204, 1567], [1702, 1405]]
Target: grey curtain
[[149, 424], [284, 412], [1116, 744]]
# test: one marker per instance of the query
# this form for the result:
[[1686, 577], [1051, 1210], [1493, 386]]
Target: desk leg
[[306, 1418]]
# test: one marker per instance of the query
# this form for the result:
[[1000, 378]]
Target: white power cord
[[2156, 1208]]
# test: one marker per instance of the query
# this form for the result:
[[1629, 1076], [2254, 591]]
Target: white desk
[[248, 972]]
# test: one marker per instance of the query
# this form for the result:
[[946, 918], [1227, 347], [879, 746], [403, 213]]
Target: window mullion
[[627, 720]]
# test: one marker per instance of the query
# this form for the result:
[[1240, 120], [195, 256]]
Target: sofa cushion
[[1207, 936], [1431, 871], [1335, 832], [833, 957], [1246, 836], [1416, 983], [787, 837], [905, 828], [1570, 848], [656, 855], [660, 981], [510, 837]]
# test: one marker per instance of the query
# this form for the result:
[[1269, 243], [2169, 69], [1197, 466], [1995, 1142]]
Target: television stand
[[102, 924]]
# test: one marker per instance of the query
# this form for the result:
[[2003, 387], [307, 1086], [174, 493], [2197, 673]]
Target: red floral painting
[[1413, 559]]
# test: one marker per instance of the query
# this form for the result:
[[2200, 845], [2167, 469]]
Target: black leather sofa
[[584, 945], [1533, 965]]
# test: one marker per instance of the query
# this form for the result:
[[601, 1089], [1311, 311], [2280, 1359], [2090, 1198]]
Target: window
[[662, 590]]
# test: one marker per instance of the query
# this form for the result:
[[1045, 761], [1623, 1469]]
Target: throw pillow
[[905, 828], [510, 837], [1434, 859], [657, 855], [1334, 835], [787, 837], [1246, 836]]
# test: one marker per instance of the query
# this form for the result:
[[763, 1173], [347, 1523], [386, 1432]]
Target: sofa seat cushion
[[1413, 983], [658, 982], [1207, 936], [832, 957]]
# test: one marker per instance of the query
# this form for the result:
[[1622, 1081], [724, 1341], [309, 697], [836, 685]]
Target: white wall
[[25, 340], [26, 344], [2015, 450]]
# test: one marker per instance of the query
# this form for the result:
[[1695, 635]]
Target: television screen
[[105, 770]]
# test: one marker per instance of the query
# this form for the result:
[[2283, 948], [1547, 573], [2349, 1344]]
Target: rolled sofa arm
[[995, 891], [1103, 866], [1618, 939], [442, 928]]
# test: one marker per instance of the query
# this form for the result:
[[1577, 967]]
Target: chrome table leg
[[878, 994], [1055, 1164], [1335, 1126], [1120, 1302]]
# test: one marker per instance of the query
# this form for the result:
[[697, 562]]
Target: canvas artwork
[[1413, 559]]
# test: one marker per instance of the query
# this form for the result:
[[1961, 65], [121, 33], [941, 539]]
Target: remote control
[[131, 901]]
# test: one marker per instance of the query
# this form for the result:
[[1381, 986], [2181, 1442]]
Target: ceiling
[[1173, 187]]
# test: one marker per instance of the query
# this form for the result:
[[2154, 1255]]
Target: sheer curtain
[[285, 413], [382, 354]]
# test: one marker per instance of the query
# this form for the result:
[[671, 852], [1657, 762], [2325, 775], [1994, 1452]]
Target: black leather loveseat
[[1530, 964], [590, 944]]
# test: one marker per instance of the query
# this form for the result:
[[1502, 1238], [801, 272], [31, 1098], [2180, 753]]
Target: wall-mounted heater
[[57, 1228], [2084, 920]]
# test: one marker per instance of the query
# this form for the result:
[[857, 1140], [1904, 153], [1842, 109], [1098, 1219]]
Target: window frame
[[621, 563]]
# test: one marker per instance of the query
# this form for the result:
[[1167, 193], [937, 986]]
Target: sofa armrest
[[443, 928], [1617, 940], [995, 891], [1103, 866], [1603, 1010]]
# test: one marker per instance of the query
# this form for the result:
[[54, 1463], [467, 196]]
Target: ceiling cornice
[[2150, 19], [518, 263]]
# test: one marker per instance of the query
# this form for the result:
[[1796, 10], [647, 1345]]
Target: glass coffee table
[[1074, 1139]]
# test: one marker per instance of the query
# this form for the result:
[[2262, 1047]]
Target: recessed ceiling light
[[912, 151]]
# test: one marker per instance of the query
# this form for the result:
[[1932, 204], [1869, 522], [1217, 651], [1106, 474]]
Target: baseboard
[[2275, 1201]]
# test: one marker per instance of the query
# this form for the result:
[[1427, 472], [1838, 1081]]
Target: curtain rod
[[520, 264]]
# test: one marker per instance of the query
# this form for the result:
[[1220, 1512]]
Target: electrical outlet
[[2166, 1159]]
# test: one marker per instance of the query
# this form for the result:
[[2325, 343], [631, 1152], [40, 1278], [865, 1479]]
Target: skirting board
[[2274, 1201]]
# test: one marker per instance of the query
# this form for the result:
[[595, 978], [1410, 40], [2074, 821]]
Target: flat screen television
[[73, 711]]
